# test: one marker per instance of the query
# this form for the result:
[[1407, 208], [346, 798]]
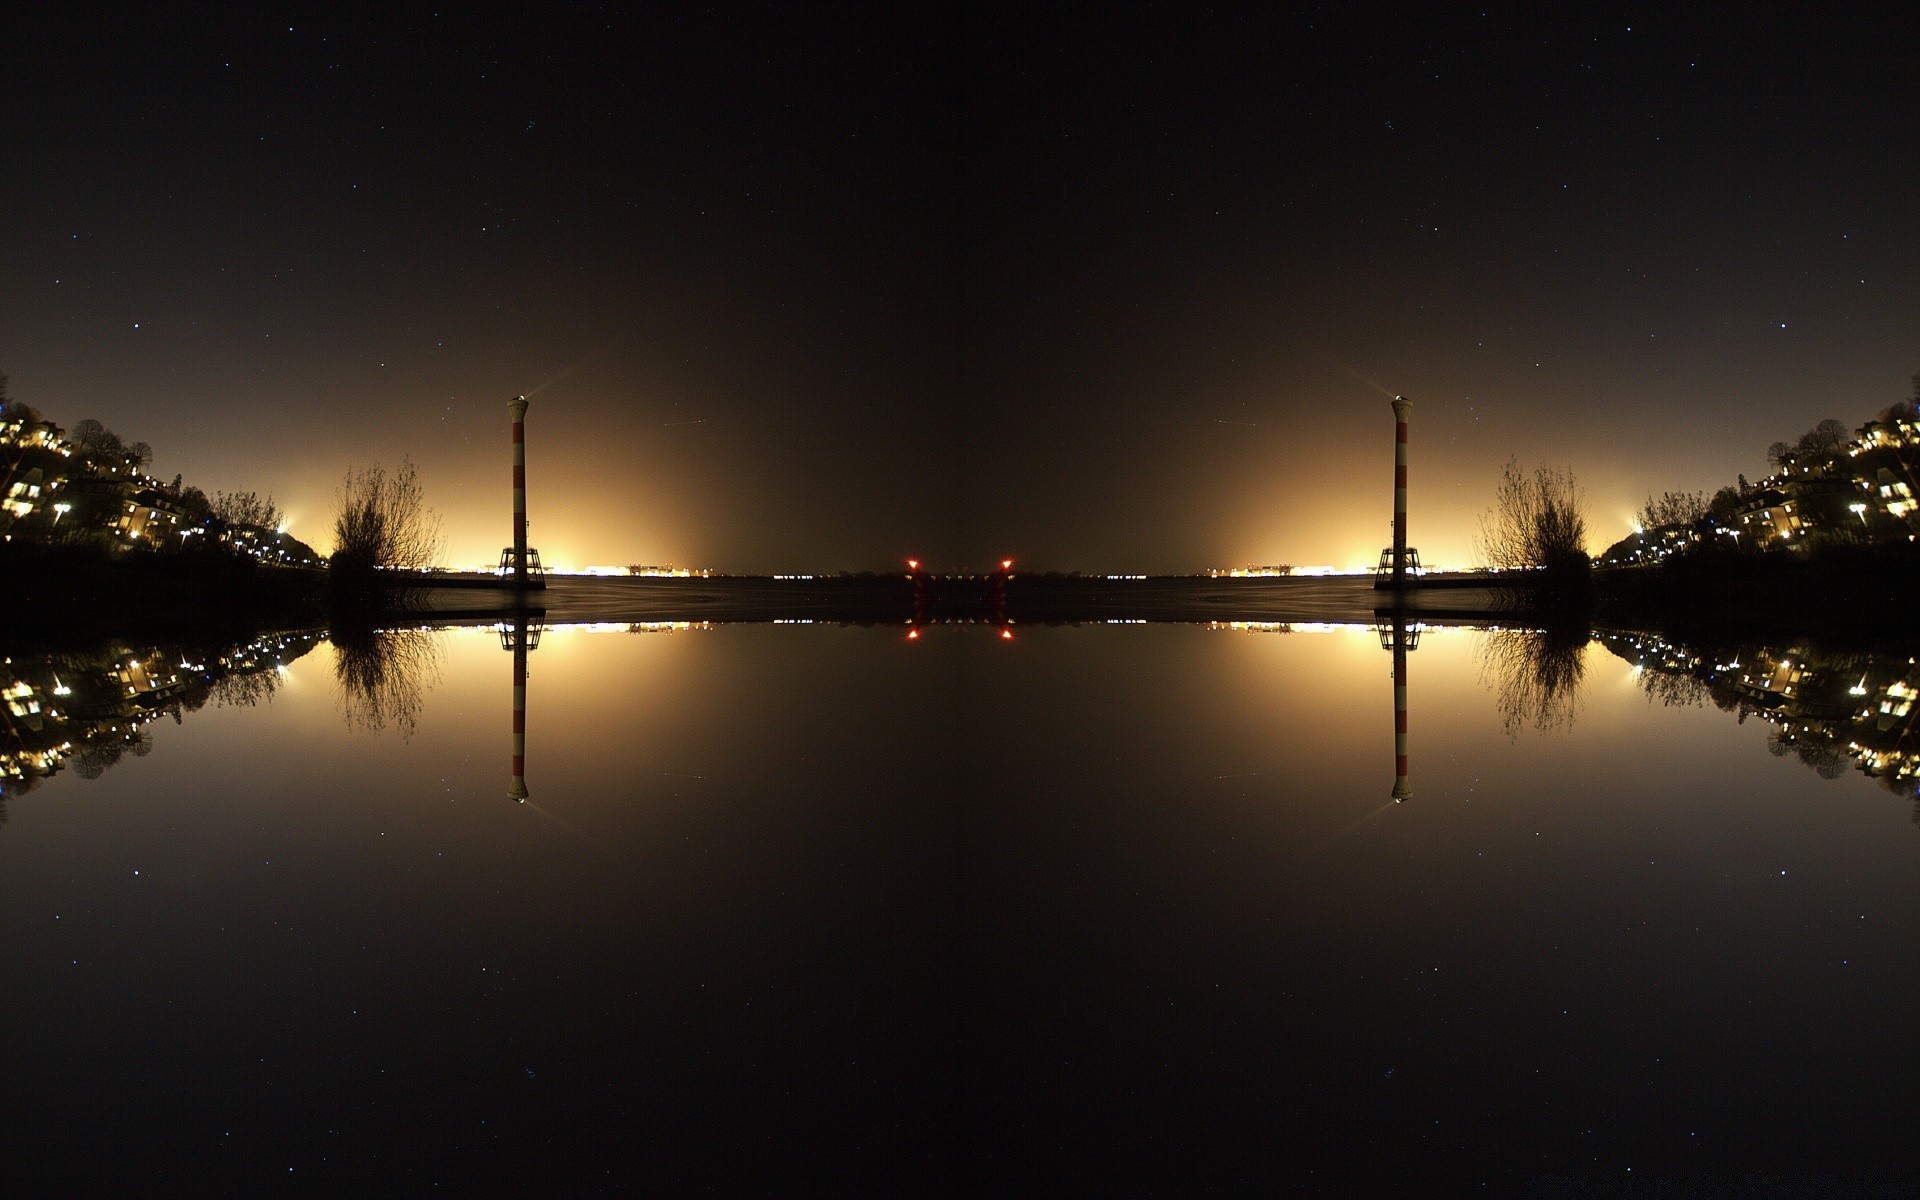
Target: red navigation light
[[1006, 635], [913, 635], [1006, 564], [913, 564]]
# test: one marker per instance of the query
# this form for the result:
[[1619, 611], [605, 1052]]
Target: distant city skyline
[[793, 291]]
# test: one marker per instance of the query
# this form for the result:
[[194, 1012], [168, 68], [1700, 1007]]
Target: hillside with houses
[[1834, 487], [88, 491]]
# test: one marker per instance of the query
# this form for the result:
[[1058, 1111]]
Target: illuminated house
[[1789, 507], [1766, 516], [1886, 432], [133, 509], [27, 494], [1895, 495], [33, 460], [18, 431]]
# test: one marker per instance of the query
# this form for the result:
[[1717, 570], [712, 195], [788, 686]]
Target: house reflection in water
[[90, 709], [1830, 709]]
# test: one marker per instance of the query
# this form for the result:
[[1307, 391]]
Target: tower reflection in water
[[1400, 637], [521, 637]]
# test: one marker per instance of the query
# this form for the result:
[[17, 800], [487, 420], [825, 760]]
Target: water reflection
[[1102, 890], [91, 708], [520, 638], [1400, 638], [384, 675], [1535, 676], [1831, 709], [1834, 710]]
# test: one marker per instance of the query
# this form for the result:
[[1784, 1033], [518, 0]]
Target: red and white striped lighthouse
[[1401, 407], [517, 408]]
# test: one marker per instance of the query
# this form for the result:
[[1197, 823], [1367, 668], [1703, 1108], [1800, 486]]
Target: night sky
[[816, 291]]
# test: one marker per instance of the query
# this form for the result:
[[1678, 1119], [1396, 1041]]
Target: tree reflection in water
[[384, 675], [1535, 675], [92, 758], [244, 690], [1826, 760], [1678, 691]]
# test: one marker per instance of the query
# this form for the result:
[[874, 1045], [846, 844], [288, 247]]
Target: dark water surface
[[1097, 909]]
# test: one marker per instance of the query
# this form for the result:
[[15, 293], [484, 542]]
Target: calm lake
[[1087, 909]]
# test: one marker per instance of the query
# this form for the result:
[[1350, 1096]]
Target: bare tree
[[383, 523], [245, 508], [1535, 523], [96, 443], [1823, 441], [1673, 508], [194, 503]]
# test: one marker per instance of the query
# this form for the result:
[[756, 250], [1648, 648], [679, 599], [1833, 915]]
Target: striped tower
[[517, 408], [517, 790], [1402, 790], [1401, 406]]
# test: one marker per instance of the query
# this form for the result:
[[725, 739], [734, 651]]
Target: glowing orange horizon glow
[[1448, 541], [1332, 507]]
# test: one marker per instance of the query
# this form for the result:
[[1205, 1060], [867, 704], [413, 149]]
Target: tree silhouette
[[245, 508], [97, 444], [1673, 508], [1535, 523], [1823, 441], [383, 523]]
